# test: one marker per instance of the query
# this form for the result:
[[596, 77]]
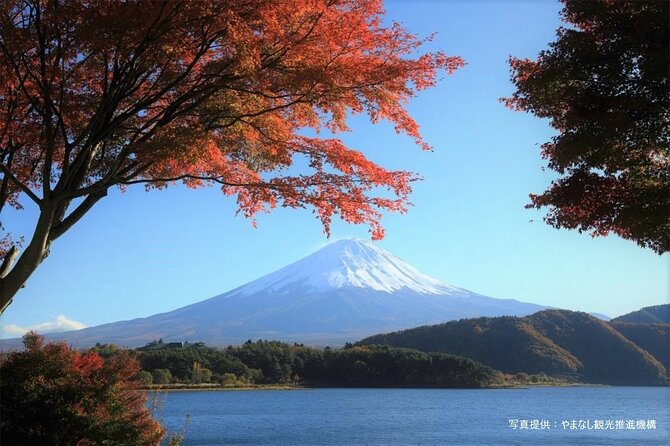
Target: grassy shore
[[179, 387], [219, 387]]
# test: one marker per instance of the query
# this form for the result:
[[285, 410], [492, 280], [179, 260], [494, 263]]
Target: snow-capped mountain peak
[[347, 290], [349, 263]]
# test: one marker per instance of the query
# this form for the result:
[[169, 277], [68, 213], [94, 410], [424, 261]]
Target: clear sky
[[139, 253]]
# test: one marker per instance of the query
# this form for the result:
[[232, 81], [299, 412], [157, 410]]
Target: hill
[[556, 342], [654, 338], [647, 315], [509, 344]]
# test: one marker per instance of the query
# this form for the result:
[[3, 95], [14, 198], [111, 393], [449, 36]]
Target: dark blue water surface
[[387, 417]]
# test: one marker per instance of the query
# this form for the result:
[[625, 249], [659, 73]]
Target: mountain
[[649, 328], [556, 342], [343, 292], [647, 315], [654, 338], [602, 317]]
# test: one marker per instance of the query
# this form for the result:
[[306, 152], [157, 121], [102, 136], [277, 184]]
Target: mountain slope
[[608, 356], [343, 292], [351, 263], [509, 344], [647, 315], [654, 338], [557, 342]]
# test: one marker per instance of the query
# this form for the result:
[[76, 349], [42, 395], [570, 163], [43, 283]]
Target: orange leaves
[[211, 92], [86, 364], [340, 185], [603, 86], [522, 71], [55, 395]]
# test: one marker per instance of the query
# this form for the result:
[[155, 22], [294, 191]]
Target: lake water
[[385, 417]]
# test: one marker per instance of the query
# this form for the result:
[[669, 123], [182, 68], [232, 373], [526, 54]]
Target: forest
[[559, 343], [548, 347], [274, 362]]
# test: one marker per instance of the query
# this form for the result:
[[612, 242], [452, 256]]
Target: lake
[[384, 417]]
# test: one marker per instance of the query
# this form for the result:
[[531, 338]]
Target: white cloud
[[60, 323]]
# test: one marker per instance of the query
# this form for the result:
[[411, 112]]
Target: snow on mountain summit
[[349, 263]]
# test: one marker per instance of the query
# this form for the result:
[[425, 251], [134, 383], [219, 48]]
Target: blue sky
[[139, 253]]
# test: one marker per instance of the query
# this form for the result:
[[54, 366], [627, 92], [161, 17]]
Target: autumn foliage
[[113, 93], [604, 84], [54, 395]]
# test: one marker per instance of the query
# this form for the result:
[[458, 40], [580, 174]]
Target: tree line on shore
[[274, 362]]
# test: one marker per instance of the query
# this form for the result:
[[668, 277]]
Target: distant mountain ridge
[[647, 315], [341, 293], [556, 342]]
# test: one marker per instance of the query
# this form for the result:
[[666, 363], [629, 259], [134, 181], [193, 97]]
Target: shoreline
[[189, 387], [218, 388]]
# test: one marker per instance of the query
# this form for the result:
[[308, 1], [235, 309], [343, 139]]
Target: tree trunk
[[29, 260]]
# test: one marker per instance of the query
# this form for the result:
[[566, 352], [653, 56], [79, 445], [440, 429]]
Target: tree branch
[[22, 186], [8, 261], [81, 210], [216, 179]]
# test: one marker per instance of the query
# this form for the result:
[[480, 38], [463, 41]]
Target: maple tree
[[604, 86], [54, 395], [101, 94]]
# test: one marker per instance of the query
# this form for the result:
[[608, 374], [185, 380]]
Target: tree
[[54, 395], [206, 375], [196, 373], [604, 86], [96, 95], [162, 376], [146, 378], [229, 379]]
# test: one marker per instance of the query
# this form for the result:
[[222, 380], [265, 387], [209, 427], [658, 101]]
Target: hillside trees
[[653, 337], [275, 362], [179, 364], [97, 95], [559, 343], [603, 84], [54, 395], [161, 376]]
